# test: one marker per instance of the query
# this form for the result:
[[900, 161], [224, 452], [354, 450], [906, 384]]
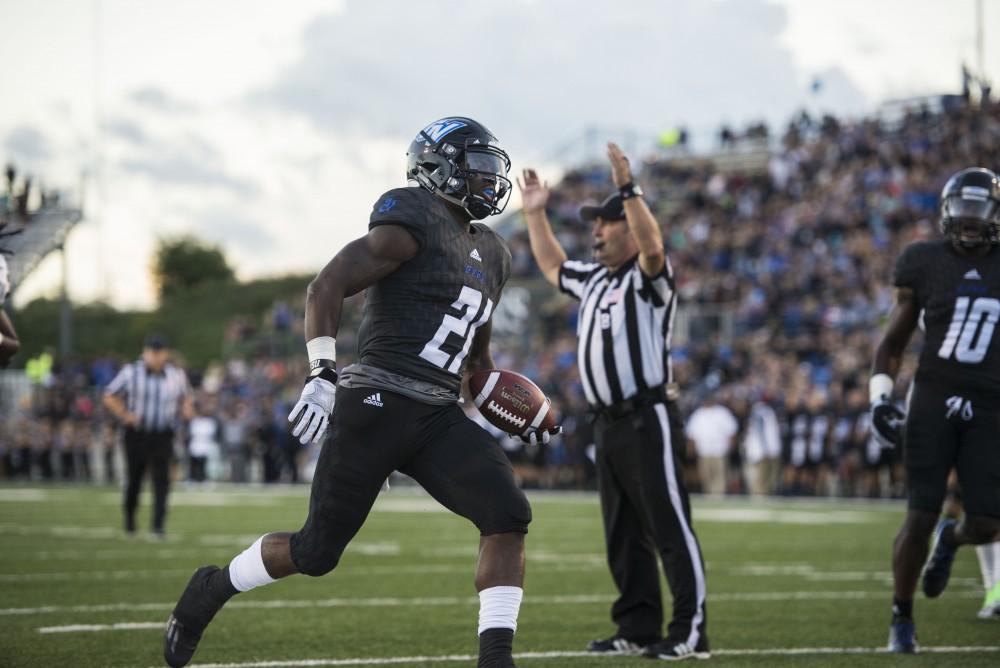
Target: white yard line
[[411, 660], [378, 571], [21, 495], [542, 561], [93, 628], [583, 599], [96, 576]]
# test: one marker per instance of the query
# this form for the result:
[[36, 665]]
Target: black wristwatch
[[630, 190]]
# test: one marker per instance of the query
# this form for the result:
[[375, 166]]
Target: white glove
[[311, 414], [534, 437]]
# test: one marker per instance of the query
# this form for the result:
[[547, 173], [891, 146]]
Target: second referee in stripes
[[627, 303]]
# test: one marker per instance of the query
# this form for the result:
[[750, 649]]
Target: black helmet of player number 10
[[971, 195], [460, 160]]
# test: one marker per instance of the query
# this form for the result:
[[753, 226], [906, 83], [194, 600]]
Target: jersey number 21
[[468, 303]]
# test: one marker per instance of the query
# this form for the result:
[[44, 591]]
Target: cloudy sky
[[270, 128]]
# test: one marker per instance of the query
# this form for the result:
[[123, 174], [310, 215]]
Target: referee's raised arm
[[641, 222], [544, 246]]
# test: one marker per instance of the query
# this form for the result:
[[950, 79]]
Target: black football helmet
[[460, 160], [971, 195]]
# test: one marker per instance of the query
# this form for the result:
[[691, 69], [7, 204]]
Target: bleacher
[[43, 232]]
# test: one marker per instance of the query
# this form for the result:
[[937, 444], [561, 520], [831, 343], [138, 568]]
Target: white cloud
[[26, 145], [272, 127], [537, 71]]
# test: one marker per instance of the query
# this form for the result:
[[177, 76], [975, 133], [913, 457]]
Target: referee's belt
[[655, 395]]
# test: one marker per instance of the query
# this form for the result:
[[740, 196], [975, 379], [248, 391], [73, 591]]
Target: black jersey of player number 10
[[960, 299]]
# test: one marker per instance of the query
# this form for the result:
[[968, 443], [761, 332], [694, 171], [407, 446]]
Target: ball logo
[[518, 398]]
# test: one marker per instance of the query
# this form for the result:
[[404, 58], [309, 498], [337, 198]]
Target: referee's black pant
[[647, 514], [151, 450]]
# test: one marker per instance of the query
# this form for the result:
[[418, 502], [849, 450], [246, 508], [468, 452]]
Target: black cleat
[[618, 644], [937, 570], [903, 636], [191, 615], [672, 650]]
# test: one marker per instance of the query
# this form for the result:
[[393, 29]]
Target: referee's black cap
[[156, 341], [612, 208]]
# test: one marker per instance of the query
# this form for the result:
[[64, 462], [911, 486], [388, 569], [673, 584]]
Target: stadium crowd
[[785, 274]]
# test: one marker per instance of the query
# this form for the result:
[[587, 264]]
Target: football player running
[[954, 409], [433, 278]]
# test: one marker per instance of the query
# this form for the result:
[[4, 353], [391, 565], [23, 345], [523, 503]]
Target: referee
[[146, 397], [627, 303]]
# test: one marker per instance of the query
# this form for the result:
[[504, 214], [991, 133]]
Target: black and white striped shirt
[[153, 397], [624, 328]]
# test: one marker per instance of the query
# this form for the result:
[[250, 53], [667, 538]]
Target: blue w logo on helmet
[[439, 129]]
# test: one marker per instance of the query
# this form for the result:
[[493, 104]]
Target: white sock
[[498, 608], [989, 563], [247, 571]]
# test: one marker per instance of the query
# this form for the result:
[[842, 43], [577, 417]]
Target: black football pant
[[374, 432], [647, 515], [948, 428], [147, 450]]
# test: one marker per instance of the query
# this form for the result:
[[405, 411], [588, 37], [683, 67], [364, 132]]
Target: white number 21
[[468, 303]]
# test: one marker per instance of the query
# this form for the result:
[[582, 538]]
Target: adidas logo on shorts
[[374, 400]]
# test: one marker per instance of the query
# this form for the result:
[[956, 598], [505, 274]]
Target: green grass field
[[790, 584]]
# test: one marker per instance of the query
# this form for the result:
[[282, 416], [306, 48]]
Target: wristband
[[1, 339], [880, 387], [322, 352], [630, 190]]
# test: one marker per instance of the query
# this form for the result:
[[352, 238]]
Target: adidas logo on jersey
[[374, 400], [475, 255], [973, 275]]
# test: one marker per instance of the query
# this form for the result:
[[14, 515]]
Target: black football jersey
[[420, 320], [960, 299]]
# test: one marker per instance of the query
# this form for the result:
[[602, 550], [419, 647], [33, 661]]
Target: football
[[511, 402]]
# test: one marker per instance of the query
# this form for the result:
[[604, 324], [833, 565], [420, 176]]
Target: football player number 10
[[468, 303], [961, 339]]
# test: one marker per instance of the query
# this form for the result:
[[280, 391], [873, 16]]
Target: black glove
[[887, 423]]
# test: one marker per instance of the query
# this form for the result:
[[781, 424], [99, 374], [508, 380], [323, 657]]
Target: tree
[[184, 262]]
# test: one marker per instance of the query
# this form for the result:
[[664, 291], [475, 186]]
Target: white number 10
[[468, 303], [965, 323]]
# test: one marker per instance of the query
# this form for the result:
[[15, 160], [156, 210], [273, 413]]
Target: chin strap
[[475, 208]]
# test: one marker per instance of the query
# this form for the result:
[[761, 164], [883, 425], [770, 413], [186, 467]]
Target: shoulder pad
[[401, 204]]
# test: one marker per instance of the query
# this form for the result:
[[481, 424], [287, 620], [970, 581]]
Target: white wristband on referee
[[880, 385], [322, 348]]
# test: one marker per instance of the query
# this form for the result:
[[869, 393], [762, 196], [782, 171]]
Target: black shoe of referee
[[193, 612], [672, 650]]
